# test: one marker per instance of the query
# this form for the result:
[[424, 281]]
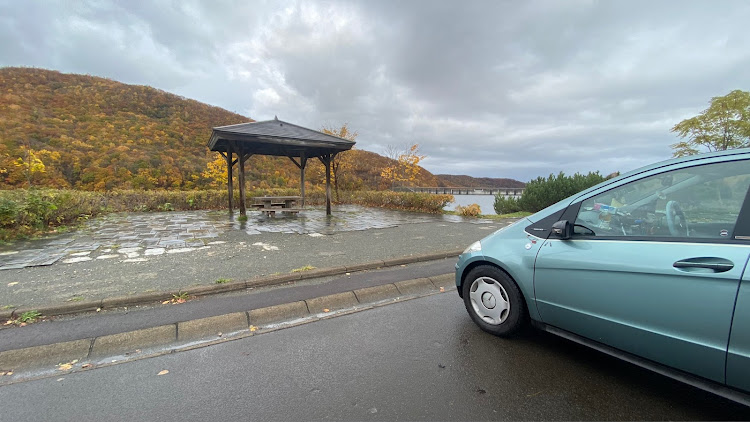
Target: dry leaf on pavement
[[326, 310], [164, 372]]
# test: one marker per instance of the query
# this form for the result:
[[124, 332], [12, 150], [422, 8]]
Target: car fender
[[513, 251]]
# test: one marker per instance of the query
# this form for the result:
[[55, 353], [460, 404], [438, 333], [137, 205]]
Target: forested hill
[[474, 182], [97, 134], [94, 133]]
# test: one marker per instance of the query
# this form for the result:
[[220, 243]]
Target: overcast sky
[[493, 88]]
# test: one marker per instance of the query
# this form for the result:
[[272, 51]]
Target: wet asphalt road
[[416, 360]]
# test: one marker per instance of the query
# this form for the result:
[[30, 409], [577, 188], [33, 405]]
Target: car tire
[[494, 301]]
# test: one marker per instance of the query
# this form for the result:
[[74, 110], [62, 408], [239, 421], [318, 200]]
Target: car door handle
[[718, 265]]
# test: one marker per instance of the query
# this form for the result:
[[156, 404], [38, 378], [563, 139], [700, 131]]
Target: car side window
[[700, 202]]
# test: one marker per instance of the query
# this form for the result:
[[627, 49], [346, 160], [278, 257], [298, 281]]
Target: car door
[[653, 267], [738, 353]]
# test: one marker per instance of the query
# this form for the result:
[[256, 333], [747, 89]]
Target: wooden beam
[[295, 162]]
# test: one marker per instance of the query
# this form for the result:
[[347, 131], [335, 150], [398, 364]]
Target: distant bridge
[[462, 191]]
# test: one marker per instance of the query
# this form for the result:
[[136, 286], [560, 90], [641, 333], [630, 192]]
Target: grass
[[28, 317], [223, 280], [305, 268], [182, 296]]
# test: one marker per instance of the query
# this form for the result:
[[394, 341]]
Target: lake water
[[486, 202]]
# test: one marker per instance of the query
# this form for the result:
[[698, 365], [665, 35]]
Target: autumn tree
[[216, 172], [406, 167], [725, 124], [342, 160], [31, 164]]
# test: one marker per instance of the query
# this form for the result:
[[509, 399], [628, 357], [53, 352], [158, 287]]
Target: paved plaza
[[136, 253], [135, 236]]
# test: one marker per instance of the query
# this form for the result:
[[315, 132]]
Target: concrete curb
[[90, 352], [145, 298]]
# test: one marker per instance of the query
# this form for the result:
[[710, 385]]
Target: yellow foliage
[[406, 168], [471, 210], [216, 172]]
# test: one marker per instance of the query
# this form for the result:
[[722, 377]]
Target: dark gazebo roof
[[276, 137]]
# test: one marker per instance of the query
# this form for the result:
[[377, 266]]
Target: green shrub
[[541, 193], [505, 205]]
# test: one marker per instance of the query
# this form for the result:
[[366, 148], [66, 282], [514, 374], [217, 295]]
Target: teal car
[[650, 266]]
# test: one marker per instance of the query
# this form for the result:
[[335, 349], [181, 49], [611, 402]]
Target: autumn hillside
[[92, 133]]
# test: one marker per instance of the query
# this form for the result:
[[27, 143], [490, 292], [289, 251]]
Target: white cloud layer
[[496, 89]]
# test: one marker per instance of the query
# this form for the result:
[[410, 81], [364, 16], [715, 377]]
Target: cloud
[[497, 89]]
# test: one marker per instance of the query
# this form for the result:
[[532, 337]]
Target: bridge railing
[[461, 190]]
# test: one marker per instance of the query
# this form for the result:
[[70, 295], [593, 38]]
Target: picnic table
[[271, 204]]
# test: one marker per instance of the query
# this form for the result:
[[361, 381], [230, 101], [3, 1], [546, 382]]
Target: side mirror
[[562, 230]]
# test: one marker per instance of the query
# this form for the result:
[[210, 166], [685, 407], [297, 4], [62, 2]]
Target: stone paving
[[131, 237]]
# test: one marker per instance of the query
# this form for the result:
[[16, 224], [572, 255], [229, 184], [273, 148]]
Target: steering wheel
[[676, 221]]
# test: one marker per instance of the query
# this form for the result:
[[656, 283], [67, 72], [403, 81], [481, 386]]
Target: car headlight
[[474, 247]]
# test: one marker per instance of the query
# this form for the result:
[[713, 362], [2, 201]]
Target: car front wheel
[[494, 301]]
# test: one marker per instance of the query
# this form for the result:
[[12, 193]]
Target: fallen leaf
[[98, 309], [253, 328], [442, 289], [23, 324], [13, 283], [4, 373], [220, 334], [8, 322], [60, 379], [180, 300], [86, 366], [65, 366], [74, 361], [164, 372], [166, 302], [326, 310]]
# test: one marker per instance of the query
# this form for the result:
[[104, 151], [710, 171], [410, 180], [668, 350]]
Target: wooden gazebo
[[276, 138]]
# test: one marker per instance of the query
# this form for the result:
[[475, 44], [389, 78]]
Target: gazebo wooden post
[[303, 163], [326, 159], [301, 166], [230, 188], [242, 158]]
